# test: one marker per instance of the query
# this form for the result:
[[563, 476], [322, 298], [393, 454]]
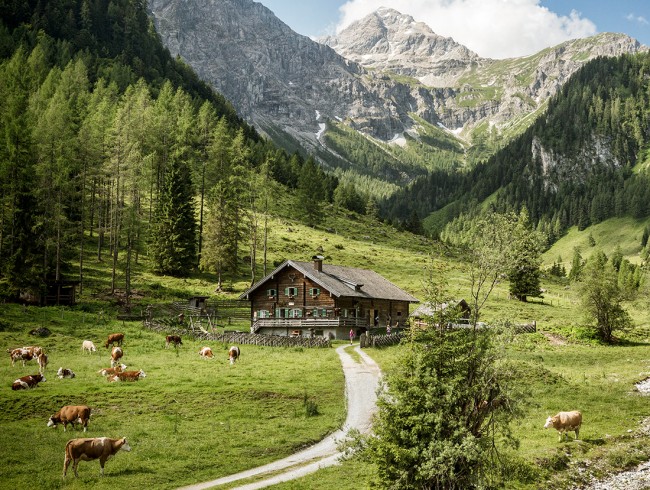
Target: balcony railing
[[315, 323]]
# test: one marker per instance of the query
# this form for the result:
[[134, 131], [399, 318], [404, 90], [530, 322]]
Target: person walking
[[351, 335]]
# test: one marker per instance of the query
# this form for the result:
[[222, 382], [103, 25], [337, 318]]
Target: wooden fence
[[236, 337], [370, 340]]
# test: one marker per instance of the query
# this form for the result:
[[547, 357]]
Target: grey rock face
[[273, 76], [283, 82], [388, 40]]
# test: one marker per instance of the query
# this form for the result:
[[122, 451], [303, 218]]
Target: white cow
[[88, 346]]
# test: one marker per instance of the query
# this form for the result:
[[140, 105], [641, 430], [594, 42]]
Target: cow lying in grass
[[28, 382], [565, 422], [127, 376], [65, 373], [70, 414], [100, 448], [112, 371], [206, 353]]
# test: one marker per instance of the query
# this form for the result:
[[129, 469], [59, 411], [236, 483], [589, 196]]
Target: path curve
[[361, 383]]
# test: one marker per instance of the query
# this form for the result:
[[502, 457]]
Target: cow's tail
[[68, 451]]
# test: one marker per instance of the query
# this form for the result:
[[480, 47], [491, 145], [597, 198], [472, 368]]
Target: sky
[[491, 28]]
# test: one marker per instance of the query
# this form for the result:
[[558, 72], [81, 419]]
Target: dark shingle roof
[[344, 281]]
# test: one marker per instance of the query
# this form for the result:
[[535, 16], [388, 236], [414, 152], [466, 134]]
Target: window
[[295, 313], [271, 292], [314, 291], [263, 314], [291, 291]]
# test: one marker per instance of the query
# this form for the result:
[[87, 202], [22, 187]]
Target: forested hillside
[[110, 141], [581, 163]]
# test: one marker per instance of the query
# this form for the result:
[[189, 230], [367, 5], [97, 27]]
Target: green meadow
[[193, 419]]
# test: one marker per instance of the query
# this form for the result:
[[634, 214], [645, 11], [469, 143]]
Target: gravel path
[[361, 382]]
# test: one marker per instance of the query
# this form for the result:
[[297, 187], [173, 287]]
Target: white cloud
[[491, 28], [639, 19]]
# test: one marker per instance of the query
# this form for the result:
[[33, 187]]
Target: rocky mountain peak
[[391, 41]]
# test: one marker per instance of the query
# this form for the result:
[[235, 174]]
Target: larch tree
[[602, 297]]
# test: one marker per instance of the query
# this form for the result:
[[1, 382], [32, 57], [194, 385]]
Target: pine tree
[[173, 237]]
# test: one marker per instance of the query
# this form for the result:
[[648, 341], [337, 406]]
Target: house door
[[373, 317]]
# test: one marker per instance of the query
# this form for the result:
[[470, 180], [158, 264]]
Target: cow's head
[[141, 374], [51, 422], [125, 445], [550, 422]]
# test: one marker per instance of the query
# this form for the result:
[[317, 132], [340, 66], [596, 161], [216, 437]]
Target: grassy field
[[189, 420], [597, 380]]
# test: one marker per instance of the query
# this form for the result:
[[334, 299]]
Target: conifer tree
[[173, 237], [524, 271], [310, 192]]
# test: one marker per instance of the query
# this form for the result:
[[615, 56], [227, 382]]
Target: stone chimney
[[318, 262]]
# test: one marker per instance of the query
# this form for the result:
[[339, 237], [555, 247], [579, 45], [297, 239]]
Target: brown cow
[[20, 355], [112, 371], [27, 382], [206, 353], [100, 448], [565, 422], [69, 415], [233, 354], [173, 339], [113, 338], [42, 362], [127, 376], [34, 350], [116, 355]]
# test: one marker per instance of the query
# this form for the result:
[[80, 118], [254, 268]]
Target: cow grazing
[[88, 346], [42, 362], [565, 422], [19, 354], [112, 371], [114, 338], [100, 448], [70, 414], [27, 382], [233, 354], [34, 350], [206, 353], [65, 373], [127, 376], [116, 355], [173, 339]]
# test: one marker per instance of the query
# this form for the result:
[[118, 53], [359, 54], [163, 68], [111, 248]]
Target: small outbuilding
[[425, 311]]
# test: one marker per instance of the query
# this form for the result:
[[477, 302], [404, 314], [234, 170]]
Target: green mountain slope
[[579, 164]]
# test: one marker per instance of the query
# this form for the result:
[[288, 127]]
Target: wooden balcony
[[306, 323]]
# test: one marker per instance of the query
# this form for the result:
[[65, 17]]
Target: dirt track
[[361, 382]]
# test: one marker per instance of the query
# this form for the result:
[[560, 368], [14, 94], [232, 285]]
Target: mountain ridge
[[293, 89]]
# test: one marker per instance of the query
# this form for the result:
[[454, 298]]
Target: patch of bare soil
[[554, 339]]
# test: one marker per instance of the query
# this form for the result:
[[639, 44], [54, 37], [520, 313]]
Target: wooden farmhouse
[[316, 299]]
